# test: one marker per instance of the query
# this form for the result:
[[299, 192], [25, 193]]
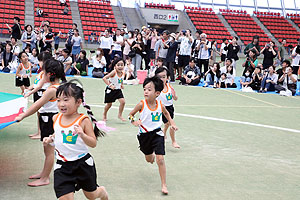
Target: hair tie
[[53, 73]]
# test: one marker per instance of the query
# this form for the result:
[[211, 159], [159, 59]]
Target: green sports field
[[222, 156]]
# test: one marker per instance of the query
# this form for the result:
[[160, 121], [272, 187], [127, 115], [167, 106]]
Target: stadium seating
[[244, 25], [279, 27], [160, 6], [295, 18], [54, 13], [8, 10], [208, 22], [96, 17]]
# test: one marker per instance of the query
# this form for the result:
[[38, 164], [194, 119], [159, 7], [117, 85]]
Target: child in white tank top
[[150, 136], [73, 134], [167, 96], [23, 72], [114, 81]]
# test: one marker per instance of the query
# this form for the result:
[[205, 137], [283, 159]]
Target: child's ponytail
[[55, 68]]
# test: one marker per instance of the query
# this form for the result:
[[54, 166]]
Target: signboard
[[156, 16]]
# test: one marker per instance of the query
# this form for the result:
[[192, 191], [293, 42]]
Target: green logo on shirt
[[120, 81], [169, 97], [156, 118], [70, 138]]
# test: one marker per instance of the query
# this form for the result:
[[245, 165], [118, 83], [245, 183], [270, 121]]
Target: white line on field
[[221, 120]]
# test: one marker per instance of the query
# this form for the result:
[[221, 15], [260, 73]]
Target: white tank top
[[24, 70], [151, 119], [68, 145], [117, 80], [166, 97], [50, 106], [37, 80]]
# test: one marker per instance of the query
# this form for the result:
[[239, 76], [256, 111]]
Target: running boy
[[73, 134], [114, 82], [150, 136], [23, 72], [166, 97]]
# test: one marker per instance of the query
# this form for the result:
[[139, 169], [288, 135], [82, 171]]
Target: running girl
[[114, 82], [23, 72], [73, 134], [47, 107], [166, 97], [150, 136]]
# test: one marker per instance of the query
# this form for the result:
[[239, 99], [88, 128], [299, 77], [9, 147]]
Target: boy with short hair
[[150, 136]]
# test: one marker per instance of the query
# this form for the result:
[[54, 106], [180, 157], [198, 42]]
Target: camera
[[268, 46], [92, 51], [183, 32]]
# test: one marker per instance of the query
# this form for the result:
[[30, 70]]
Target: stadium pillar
[[255, 5], [283, 7]]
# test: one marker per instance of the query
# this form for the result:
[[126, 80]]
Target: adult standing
[[213, 53], [77, 45], [223, 51], [204, 54], [118, 42], [28, 38], [127, 44], [69, 38], [253, 45], [269, 54], [280, 51], [138, 47], [106, 44], [171, 55], [16, 30], [163, 47], [233, 50], [185, 39], [296, 58]]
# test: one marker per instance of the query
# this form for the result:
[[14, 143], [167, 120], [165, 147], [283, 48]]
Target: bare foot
[[175, 145], [104, 195], [39, 182], [31, 135], [36, 137], [121, 118], [164, 190], [36, 176]]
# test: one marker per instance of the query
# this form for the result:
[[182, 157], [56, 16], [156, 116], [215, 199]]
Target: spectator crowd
[[190, 57]]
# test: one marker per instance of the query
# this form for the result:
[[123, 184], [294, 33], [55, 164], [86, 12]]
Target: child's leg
[[48, 164], [121, 108], [69, 196], [100, 192], [106, 108], [162, 172], [150, 158], [172, 134], [22, 89], [38, 134]]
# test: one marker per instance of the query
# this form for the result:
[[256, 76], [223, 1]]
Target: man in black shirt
[[15, 29]]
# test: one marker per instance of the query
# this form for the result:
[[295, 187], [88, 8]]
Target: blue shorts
[[76, 50]]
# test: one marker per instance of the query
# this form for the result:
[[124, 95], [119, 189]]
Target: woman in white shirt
[[128, 42], [34, 60], [106, 43], [99, 63]]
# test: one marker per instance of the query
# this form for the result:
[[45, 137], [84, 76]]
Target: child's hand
[[27, 94], [174, 127], [122, 86], [25, 76], [137, 123], [47, 140], [20, 117], [173, 91], [112, 87], [78, 129]]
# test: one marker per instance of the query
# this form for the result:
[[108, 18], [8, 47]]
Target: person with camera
[[127, 44], [196, 42], [66, 60], [212, 75], [16, 30], [163, 46], [138, 47], [204, 53], [99, 63], [232, 51], [185, 39], [251, 61], [254, 45], [191, 74], [222, 51], [171, 55], [256, 79], [288, 81], [269, 81], [296, 58], [269, 54]]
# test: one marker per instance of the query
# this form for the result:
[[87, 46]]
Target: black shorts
[[71, 176], [170, 109], [183, 61], [56, 46], [46, 124], [152, 142], [112, 95], [22, 81], [37, 95], [223, 57]]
